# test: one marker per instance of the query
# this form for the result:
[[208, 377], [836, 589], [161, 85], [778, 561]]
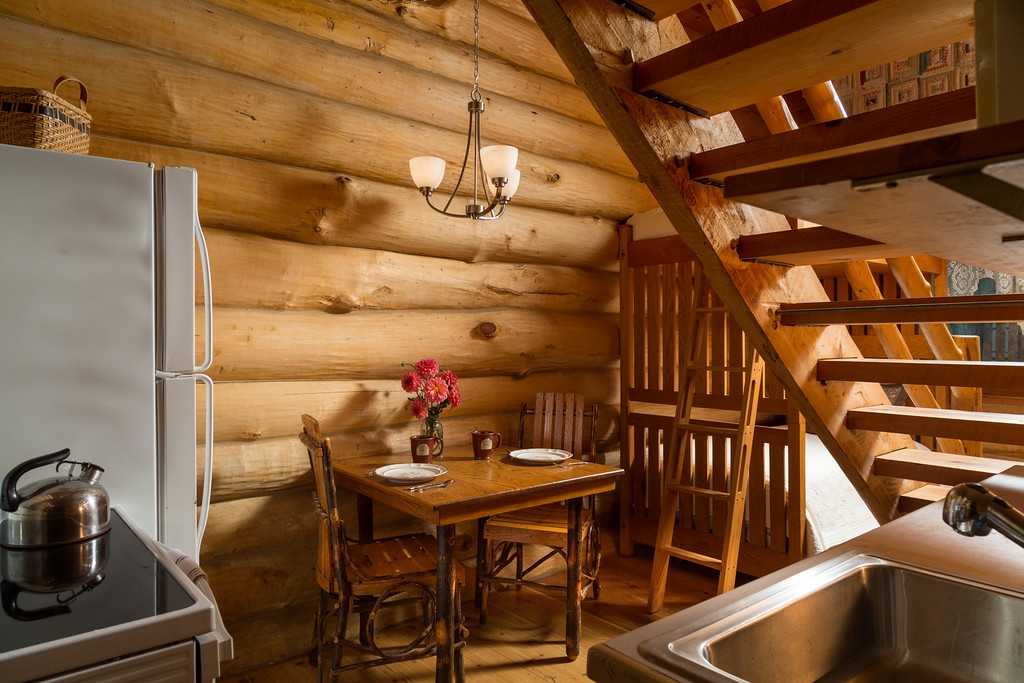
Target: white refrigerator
[[97, 330]]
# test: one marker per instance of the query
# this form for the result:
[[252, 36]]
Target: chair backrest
[[559, 421], [331, 530]]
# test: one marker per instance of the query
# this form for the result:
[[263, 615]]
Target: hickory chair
[[364, 577], [558, 422]]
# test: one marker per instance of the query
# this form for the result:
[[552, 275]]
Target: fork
[[435, 485]]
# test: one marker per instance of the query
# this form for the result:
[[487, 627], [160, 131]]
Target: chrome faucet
[[973, 510]]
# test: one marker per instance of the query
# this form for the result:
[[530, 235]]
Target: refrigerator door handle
[[204, 506], [204, 260]]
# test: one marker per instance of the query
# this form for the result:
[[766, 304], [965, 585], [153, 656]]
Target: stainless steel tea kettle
[[62, 509]]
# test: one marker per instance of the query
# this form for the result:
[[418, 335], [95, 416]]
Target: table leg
[[574, 580], [446, 594], [364, 532], [364, 518]]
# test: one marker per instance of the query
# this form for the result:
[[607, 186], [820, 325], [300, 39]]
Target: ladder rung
[[698, 491], [682, 554], [732, 430]]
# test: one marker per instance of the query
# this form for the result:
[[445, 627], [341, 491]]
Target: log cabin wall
[[328, 270]]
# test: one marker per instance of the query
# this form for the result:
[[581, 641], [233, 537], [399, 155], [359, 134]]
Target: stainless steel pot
[[62, 509]]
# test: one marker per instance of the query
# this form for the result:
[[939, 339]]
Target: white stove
[[135, 616]]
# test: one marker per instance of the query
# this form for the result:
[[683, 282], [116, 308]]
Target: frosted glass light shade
[[512, 185], [427, 171], [499, 160]]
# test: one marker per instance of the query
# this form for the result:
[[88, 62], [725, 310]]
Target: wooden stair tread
[[796, 45], [939, 309], [813, 246], [956, 424], [886, 195], [938, 468], [930, 117], [919, 498], [997, 377]]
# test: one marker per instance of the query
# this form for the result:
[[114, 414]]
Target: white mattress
[[650, 224]]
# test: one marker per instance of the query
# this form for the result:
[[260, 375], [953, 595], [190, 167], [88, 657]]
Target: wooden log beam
[[654, 136], [189, 105], [346, 279], [268, 345], [254, 410], [800, 43], [318, 207]]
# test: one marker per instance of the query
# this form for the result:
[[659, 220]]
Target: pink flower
[[435, 390], [455, 397], [450, 379], [411, 382], [418, 407], [427, 367]]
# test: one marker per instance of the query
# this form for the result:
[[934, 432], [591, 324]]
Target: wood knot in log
[[486, 329]]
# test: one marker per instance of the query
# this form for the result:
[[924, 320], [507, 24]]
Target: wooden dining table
[[481, 488]]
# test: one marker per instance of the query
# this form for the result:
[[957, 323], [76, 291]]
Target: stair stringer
[[657, 139]]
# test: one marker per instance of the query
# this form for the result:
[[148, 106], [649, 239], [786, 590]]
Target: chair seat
[[409, 557], [540, 525]]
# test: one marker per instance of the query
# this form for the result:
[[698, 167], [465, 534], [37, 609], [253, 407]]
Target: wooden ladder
[[679, 482]]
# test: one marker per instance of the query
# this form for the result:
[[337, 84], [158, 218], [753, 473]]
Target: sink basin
[[855, 618]]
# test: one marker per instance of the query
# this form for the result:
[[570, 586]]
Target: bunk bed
[[798, 501]]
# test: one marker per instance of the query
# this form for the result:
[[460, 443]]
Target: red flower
[[411, 382], [418, 408], [427, 367], [433, 389]]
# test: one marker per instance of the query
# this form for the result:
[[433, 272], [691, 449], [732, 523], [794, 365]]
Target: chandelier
[[492, 169]]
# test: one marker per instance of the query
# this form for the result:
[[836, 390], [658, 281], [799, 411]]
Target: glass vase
[[432, 426]]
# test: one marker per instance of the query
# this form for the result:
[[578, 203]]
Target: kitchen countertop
[[920, 538]]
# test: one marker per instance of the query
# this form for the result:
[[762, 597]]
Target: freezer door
[[76, 318]]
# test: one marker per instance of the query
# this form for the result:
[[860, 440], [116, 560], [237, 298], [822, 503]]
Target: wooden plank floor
[[524, 637]]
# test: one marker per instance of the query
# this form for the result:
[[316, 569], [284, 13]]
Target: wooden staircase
[[665, 74]]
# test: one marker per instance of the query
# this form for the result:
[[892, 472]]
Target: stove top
[[126, 599]]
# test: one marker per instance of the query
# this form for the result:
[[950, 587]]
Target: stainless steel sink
[[855, 618]]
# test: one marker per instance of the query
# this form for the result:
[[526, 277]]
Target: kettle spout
[[91, 473]]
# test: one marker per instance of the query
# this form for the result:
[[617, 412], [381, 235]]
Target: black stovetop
[[131, 585]]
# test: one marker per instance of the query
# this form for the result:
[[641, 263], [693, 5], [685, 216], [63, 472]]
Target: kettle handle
[[9, 498]]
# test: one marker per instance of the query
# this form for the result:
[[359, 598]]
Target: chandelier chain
[[476, 51]]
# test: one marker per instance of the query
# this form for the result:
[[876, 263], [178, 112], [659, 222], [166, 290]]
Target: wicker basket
[[40, 119]]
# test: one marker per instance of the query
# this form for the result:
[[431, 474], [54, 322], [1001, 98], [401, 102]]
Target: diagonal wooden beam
[[656, 138]]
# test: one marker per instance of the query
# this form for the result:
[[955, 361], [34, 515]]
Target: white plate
[[410, 473], [540, 456]]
